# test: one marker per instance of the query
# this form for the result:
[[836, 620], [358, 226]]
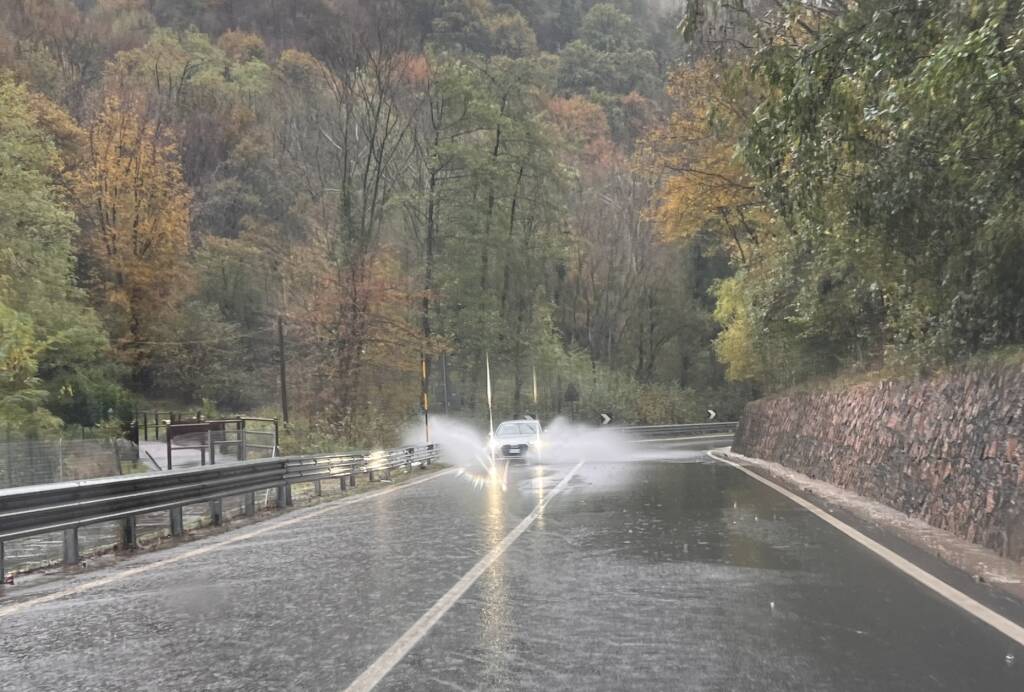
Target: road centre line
[[228, 539], [397, 651], [1004, 625]]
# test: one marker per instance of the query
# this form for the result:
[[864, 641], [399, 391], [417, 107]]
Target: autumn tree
[[134, 206], [693, 155], [345, 135]]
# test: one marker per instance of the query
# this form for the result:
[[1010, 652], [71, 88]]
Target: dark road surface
[[673, 575]]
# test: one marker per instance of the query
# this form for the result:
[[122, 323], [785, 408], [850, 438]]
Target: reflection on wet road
[[682, 574]]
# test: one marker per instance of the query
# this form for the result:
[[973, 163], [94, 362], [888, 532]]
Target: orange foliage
[[416, 70], [584, 125], [134, 206], [702, 184], [352, 322], [241, 46]]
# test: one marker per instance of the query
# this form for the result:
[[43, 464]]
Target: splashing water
[[464, 447], [563, 443]]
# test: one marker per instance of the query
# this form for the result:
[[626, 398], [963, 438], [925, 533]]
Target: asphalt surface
[[674, 574]]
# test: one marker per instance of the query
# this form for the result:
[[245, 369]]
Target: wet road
[[674, 574]]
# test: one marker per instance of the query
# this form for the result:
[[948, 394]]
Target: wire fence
[[31, 462]]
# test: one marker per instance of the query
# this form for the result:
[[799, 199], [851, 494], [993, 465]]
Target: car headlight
[[493, 444]]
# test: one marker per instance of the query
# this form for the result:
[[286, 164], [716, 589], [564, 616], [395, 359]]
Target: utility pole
[[424, 396], [284, 376], [444, 376]]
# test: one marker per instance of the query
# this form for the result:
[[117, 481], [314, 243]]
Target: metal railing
[[148, 425], [225, 436], [689, 430], [66, 507]]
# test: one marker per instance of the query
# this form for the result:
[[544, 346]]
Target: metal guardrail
[[688, 430], [66, 507]]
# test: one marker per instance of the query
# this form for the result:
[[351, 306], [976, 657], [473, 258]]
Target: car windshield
[[517, 428]]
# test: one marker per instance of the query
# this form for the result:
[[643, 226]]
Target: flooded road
[[674, 574]]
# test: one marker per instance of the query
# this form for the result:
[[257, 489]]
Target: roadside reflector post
[[177, 521], [71, 554]]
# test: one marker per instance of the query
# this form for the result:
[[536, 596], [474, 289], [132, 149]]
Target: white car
[[517, 439]]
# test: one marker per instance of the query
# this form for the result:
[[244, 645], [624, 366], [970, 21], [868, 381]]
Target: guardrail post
[[129, 533], [369, 474], [341, 483], [3, 570], [217, 511], [71, 554], [177, 521], [317, 488], [352, 479], [250, 504], [284, 495]]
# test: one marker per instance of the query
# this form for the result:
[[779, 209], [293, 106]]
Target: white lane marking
[[229, 539], [955, 596], [397, 651]]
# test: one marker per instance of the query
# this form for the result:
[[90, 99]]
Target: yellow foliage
[[702, 184], [135, 214], [735, 346]]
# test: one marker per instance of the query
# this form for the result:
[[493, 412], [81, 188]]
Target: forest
[[642, 208]]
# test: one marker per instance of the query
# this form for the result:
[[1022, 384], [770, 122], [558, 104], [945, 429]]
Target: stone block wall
[[948, 450]]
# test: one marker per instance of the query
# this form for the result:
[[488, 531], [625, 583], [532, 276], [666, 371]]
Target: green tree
[[890, 144], [22, 395], [608, 57], [55, 338]]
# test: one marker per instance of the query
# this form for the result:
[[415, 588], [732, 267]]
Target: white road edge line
[[955, 596], [228, 539], [397, 651]]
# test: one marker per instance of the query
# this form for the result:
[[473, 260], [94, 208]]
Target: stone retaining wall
[[949, 450]]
